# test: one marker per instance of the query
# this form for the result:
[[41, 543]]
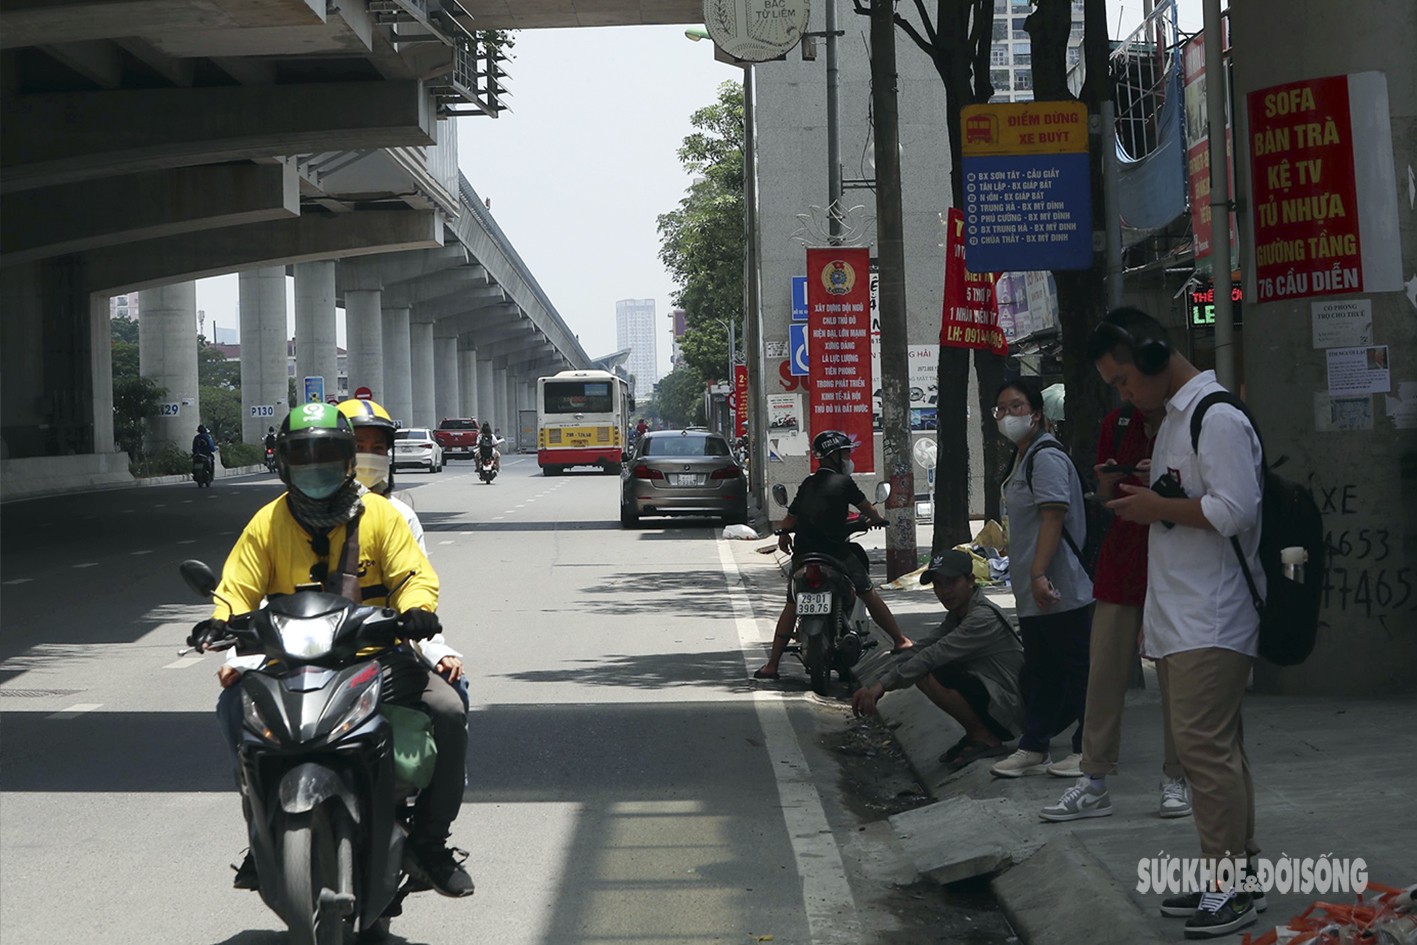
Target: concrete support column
[[364, 338], [398, 384], [486, 400], [101, 352], [167, 356], [467, 382], [500, 394], [422, 367], [447, 378], [315, 354], [265, 377]]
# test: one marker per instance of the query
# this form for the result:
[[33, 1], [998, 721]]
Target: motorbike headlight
[[307, 637], [255, 721], [357, 714]]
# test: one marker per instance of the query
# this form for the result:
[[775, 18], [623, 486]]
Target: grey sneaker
[[1175, 798], [1081, 800], [1021, 763], [1184, 906], [1069, 766]]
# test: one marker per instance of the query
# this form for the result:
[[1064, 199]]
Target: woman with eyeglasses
[[1046, 524]]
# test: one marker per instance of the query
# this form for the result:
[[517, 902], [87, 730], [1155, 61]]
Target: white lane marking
[[826, 893], [136, 553], [498, 518], [188, 541], [184, 662], [447, 542], [87, 564], [20, 581], [74, 710], [160, 505]]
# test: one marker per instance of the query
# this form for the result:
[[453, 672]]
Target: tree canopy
[[702, 245]]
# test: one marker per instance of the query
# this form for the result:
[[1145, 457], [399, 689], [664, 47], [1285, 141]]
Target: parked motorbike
[[202, 472], [486, 466], [270, 459], [833, 628], [326, 803]]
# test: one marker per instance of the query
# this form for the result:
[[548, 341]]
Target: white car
[[416, 447]]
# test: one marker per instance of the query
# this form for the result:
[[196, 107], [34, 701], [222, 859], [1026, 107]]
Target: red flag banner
[[971, 314], [839, 346], [740, 399]]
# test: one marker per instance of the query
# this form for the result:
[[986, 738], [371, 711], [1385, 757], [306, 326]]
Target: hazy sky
[[585, 161]]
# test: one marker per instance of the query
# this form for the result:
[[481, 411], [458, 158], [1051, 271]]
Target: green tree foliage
[[124, 329], [701, 242], [135, 397], [680, 401], [221, 412], [213, 367]]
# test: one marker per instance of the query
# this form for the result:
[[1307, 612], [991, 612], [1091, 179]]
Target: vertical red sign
[[1305, 191], [839, 339], [740, 399], [970, 318]]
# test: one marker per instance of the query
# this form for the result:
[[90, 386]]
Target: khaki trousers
[[1201, 691], [1114, 651]]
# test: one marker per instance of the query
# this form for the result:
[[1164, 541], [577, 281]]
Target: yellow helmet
[[366, 413]]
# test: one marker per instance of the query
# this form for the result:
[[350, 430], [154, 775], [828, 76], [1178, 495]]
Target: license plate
[[813, 603], [685, 479]]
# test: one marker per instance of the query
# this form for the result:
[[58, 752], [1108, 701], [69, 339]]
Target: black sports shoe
[[438, 865], [1221, 913], [1185, 906], [246, 877]]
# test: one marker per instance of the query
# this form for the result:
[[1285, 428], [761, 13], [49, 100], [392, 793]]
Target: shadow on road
[[722, 670]]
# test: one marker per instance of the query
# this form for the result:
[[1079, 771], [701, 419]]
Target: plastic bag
[[739, 532]]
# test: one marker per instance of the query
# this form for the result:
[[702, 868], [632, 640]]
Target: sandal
[[949, 756], [902, 649], [766, 674], [973, 751]]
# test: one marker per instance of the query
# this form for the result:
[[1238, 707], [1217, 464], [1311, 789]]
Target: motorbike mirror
[[779, 494], [199, 577], [883, 491]]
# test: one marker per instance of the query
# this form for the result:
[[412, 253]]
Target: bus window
[[578, 397]]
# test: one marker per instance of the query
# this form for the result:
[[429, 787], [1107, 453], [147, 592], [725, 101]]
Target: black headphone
[[1150, 355]]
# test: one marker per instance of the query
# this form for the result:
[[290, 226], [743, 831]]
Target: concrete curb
[[222, 472], [1063, 895]]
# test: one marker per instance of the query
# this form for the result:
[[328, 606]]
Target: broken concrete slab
[[961, 837]]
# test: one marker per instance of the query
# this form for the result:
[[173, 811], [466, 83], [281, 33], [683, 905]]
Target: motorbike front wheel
[[310, 863]]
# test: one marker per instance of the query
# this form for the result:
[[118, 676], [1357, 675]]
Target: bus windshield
[[578, 397]]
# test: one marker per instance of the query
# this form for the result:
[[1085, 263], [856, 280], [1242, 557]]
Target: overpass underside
[[149, 143]]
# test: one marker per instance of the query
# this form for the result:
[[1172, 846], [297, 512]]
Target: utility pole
[[1216, 94], [890, 242], [834, 189]]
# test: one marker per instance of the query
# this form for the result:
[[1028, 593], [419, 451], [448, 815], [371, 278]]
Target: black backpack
[[1289, 517], [1098, 516]]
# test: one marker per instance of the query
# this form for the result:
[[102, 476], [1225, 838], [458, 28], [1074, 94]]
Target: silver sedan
[[682, 472]]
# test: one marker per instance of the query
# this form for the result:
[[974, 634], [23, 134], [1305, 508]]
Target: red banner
[[740, 399], [1305, 191], [839, 346], [971, 314]]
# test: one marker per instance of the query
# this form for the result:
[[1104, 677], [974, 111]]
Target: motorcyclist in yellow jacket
[[297, 541]]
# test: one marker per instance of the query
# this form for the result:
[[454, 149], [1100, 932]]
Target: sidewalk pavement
[[1332, 777]]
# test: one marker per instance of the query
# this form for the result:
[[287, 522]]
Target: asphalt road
[[627, 783]]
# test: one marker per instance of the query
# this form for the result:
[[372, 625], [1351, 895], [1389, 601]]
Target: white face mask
[[372, 470], [1016, 429], [847, 466]]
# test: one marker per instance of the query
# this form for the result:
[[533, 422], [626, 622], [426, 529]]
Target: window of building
[[999, 56], [1023, 79], [1074, 55], [1023, 59], [1001, 30], [999, 78]]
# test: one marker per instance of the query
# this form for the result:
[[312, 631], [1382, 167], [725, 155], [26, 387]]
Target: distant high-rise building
[[1011, 56], [125, 306], [635, 329]]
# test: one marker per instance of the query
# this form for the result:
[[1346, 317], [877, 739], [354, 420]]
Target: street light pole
[[834, 190]]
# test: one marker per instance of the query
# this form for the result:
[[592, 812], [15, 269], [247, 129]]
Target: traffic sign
[[363, 393], [799, 298], [797, 349], [1027, 187]]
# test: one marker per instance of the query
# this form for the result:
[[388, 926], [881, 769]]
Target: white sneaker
[[1021, 763], [1175, 798], [1069, 767], [1083, 799]]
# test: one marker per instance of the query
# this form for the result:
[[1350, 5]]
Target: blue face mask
[[318, 480]]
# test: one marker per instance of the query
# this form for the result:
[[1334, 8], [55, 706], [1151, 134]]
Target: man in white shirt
[[1199, 621]]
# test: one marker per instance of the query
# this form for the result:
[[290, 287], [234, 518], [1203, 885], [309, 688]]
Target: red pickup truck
[[458, 437]]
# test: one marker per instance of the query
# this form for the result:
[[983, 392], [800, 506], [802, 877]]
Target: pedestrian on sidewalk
[[1119, 587], [1199, 620], [969, 668], [1043, 509]]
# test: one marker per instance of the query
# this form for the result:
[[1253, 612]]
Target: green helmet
[[315, 450]]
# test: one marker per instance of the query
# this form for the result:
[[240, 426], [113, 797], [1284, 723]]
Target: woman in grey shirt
[[1043, 508]]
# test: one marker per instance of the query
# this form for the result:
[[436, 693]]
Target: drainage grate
[[39, 693]]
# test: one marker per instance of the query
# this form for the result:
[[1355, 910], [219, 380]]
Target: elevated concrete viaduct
[[149, 143]]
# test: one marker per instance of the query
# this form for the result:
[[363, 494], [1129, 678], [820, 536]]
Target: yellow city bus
[[581, 420]]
